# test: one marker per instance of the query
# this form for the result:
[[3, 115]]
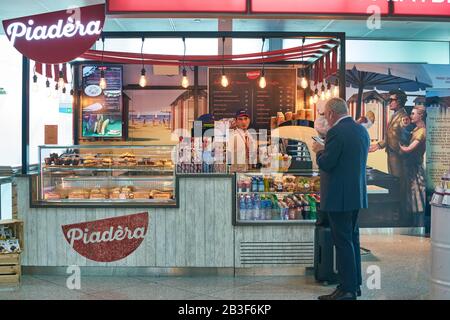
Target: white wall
[[390, 51], [397, 51], [10, 104], [44, 110]]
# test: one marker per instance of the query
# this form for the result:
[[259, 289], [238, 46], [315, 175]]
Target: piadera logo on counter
[[109, 239]]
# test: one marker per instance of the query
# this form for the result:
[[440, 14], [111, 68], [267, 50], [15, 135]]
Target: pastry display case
[[103, 176], [277, 198]]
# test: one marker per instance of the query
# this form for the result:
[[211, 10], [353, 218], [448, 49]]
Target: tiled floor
[[404, 262]]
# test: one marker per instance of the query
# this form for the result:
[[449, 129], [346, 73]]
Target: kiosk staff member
[[242, 145]]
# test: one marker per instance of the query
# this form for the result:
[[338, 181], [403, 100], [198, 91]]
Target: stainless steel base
[[167, 272]]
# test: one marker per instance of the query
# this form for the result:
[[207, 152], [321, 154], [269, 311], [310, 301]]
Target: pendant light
[[303, 81], [224, 80], [142, 78], [47, 88], [262, 79], [316, 95], [336, 89], [328, 93], [322, 92], [184, 80], [35, 87], [102, 82], [61, 79], [311, 97]]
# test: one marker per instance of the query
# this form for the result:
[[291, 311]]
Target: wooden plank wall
[[198, 234]]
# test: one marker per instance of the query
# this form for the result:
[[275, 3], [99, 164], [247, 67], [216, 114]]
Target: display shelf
[[276, 207], [282, 192], [105, 185]]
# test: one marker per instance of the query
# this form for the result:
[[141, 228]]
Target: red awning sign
[[423, 8], [178, 6], [56, 37], [318, 6]]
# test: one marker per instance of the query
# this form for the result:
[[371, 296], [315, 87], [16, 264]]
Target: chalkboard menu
[[101, 109], [244, 92]]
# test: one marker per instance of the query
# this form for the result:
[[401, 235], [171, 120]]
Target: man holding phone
[[343, 191]]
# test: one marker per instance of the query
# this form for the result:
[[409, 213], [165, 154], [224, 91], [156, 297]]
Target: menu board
[[243, 92], [102, 109], [437, 136]]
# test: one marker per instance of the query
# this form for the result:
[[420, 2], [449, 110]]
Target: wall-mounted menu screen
[[243, 92], [101, 110]]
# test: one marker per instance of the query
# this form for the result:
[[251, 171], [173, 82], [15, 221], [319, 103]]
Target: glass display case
[[277, 197], [97, 175]]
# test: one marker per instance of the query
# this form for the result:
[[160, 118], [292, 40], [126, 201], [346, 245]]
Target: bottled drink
[[313, 208], [306, 209], [261, 186], [254, 184], [257, 208], [248, 208], [242, 208], [266, 184]]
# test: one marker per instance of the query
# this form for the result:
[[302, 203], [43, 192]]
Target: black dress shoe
[[339, 294], [358, 291]]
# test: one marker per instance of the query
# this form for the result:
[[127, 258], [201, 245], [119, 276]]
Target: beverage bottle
[[306, 209], [242, 208], [254, 184], [266, 184], [261, 186], [275, 208], [248, 207], [257, 208], [312, 202]]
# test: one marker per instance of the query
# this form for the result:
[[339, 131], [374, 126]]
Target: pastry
[[114, 195], [97, 196], [95, 190], [77, 195], [52, 196], [141, 195], [89, 163], [125, 189], [162, 195], [107, 161]]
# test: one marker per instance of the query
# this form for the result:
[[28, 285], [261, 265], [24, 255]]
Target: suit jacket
[[343, 167], [394, 131]]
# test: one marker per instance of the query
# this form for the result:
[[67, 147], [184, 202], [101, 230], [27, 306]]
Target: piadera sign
[[109, 239], [56, 37]]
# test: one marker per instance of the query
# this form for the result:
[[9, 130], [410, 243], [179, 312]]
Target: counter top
[[371, 189], [5, 179]]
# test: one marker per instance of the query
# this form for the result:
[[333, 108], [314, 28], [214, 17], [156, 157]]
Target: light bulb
[[336, 91], [328, 94], [304, 83], [35, 86], [262, 82], [61, 80], [72, 96], [316, 95], [311, 100], [185, 80], [102, 83], [143, 79], [224, 81], [322, 96], [48, 91]]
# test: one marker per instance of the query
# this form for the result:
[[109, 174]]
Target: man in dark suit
[[343, 191]]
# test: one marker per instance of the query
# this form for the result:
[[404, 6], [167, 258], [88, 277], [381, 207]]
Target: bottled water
[[242, 208]]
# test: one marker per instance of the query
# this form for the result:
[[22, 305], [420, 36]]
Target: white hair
[[338, 105]]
